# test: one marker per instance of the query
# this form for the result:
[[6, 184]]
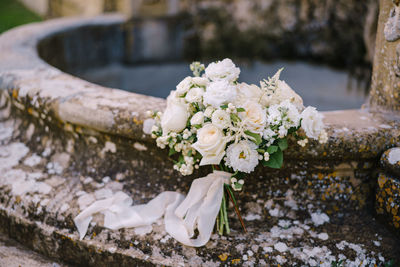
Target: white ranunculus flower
[[197, 118], [184, 86], [200, 81], [210, 144], [282, 93], [219, 92], [312, 123], [246, 92], [224, 69], [254, 117], [242, 156], [221, 119], [194, 95], [175, 116]]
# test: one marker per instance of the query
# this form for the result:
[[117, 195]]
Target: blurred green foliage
[[13, 13]]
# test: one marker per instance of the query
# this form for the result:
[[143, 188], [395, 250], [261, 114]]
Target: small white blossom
[[149, 113], [269, 135], [266, 156], [323, 137], [303, 142]]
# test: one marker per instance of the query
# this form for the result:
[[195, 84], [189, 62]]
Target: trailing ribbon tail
[[182, 215]]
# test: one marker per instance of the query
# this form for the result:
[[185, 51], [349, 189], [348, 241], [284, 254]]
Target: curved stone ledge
[[35, 83]]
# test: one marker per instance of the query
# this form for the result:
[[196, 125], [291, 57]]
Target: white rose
[[210, 144], [282, 93], [194, 95], [184, 86], [221, 119], [242, 156], [197, 118], [174, 117], [219, 92], [312, 123], [200, 81], [254, 117], [224, 69], [247, 92]]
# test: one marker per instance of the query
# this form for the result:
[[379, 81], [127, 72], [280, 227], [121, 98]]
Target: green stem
[[228, 230], [221, 222]]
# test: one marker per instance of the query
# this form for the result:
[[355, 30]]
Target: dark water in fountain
[[319, 86]]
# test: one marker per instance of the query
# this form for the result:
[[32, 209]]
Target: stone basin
[[66, 142]]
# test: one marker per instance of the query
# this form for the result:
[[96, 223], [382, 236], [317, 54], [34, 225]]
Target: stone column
[[385, 87]]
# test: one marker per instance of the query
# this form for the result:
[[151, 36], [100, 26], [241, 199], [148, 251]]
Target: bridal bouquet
[[212, 119]]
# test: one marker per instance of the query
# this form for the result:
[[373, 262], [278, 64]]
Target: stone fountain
[[65, 142]]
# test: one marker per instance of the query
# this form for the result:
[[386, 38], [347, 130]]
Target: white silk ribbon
[[181, 215]]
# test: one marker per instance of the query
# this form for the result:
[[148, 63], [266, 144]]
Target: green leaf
[[282, 143], [235, 118], [172, 151], [224, 106], [256, 137], [275, 160], [260, 150], [272, 149], [240, 110]]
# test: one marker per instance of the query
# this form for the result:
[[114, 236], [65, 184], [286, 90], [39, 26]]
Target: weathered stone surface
[[13, 254], [388, 200], [65, 142], [337, 32], [385, 88], [390, 161]]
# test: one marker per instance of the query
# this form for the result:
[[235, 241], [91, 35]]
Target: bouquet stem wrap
[[182, 215]]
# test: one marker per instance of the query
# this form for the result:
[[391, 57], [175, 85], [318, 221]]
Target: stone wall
[[385, 89], [339, 32]]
